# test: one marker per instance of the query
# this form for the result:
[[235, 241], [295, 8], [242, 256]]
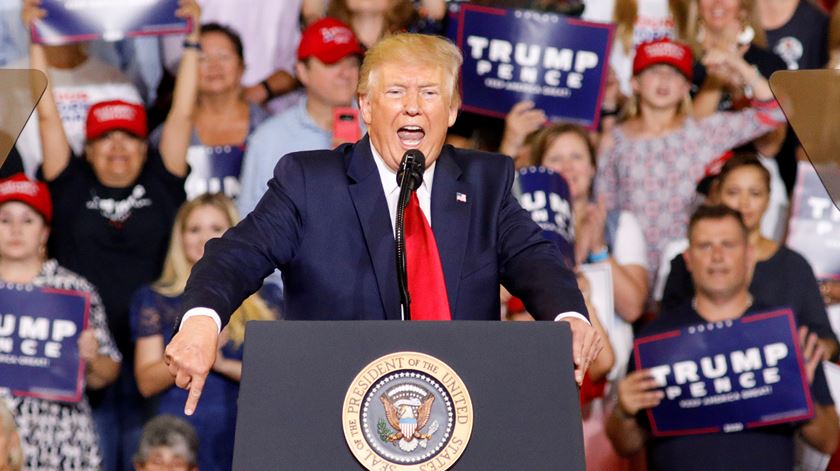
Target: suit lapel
[[451, 204], [372, 210]]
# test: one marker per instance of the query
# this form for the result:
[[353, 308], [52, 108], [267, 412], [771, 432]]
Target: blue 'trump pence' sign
[[214, 169], [81, 20], [814, 229], [559, 63], [545, 195], [39, 331], [727, 376]]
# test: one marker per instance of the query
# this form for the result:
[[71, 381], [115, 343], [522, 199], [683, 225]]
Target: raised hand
[[522, 120], [32, 11]]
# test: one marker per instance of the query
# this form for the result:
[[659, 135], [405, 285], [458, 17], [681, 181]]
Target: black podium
[[299, 377]]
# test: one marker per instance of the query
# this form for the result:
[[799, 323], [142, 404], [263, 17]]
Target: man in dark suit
[[324, 221]]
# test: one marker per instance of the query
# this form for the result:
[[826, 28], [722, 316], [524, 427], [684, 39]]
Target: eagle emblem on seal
[[407, 415]]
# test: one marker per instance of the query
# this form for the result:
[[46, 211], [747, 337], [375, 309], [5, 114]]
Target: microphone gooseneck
[[411, 169], [409, 178]]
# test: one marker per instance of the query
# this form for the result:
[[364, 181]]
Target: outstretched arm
[[54, 143], [232, 269], [177, 129]]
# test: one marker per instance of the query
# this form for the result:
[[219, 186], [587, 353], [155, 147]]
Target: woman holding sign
[[54, 434], [154, 311], [210, 119]]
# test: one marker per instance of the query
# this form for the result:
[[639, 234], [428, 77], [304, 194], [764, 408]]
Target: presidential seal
[[407, 411]]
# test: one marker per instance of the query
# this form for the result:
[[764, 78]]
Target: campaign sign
[[815, 224], [70, 21], [39, 331], [545, 195], [214, 169], [727, 376], [559, 63]]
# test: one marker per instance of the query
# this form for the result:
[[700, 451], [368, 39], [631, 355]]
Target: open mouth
[[663, 91], [410, 136]]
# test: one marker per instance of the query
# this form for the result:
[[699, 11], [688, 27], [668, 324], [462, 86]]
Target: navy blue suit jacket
[[324, 222]]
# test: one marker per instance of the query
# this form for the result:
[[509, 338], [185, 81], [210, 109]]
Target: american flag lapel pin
[[460, 197]]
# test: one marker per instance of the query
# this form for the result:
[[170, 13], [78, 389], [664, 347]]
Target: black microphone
[[409, 178], [411, 169]]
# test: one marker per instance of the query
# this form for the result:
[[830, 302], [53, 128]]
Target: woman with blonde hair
[[155, 309], [649, 165]]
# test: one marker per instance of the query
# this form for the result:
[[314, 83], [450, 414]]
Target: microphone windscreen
[[411, 168]]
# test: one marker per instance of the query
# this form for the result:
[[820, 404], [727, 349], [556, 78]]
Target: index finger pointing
[[196, 385]]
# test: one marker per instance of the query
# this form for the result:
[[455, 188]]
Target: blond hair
[[176, 266], [8, 427], [405, 48], [749, 9], [626, 12]]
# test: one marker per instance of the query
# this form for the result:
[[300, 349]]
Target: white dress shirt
[[388, 178], [392, 190]]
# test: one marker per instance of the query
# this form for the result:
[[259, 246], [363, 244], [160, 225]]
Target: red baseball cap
[[113, 115], [329, 40], [35, 194], [664, 51]]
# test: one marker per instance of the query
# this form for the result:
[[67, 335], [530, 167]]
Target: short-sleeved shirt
[[215, 421], [115, 237], [785, 279], [766, 448], [290, 131], [802, 42]]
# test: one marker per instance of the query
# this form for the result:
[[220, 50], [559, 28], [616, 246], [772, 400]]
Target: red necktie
[[426, 287]]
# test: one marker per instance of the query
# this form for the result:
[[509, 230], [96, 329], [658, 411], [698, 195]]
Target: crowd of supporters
[[99, 197]]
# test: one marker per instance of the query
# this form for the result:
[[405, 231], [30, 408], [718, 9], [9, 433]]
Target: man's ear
[[364, 107], [453, 112], [144, 150], [686, 255], [302, 73]]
